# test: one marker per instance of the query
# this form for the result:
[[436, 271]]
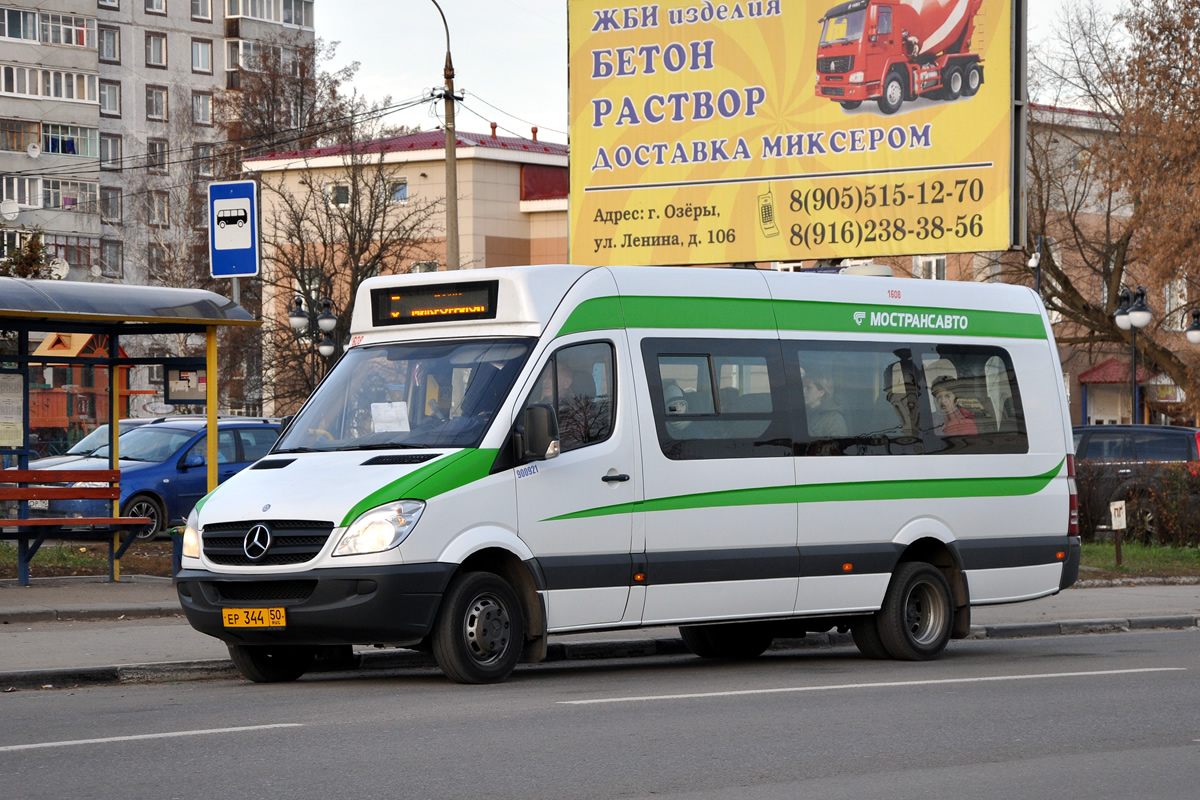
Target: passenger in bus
[[824, 419], [675, 405], [957, 421]]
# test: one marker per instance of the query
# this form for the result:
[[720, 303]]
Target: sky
[[510, 56]]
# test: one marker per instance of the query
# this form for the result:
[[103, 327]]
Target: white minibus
[[508, 454]]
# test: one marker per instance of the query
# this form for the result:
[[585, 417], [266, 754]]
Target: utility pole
[[451, 161]]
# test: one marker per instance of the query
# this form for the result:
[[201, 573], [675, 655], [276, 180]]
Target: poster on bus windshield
[[706, 132]]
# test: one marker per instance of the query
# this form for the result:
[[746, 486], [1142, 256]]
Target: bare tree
[[1112, 167], [285, 99], [325, 231]]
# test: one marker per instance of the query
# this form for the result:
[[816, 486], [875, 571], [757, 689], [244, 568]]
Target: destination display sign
[[441, 302]]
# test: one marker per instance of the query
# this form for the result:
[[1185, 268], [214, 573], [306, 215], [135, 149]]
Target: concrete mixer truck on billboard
[[890, 51]]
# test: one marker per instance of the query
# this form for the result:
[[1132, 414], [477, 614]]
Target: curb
[[11, 616], [223, 669]]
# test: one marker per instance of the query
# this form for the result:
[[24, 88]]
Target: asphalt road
[[1091, 717]]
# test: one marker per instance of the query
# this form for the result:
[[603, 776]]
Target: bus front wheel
[[479, 631], [917, 615]]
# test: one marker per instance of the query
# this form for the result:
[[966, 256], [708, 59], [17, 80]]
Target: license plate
[[39, 505], [254, 617]]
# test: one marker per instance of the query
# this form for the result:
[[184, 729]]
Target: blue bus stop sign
[[233, 246]]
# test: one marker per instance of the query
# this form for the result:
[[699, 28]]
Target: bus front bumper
[[381, 605]]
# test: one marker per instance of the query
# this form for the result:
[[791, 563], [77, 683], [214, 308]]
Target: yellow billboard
[[721, 132]]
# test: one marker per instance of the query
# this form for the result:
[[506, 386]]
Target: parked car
[[90, 443], [164, 467], [1131, 463]]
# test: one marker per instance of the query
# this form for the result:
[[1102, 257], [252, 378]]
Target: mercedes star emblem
[[257, 542]]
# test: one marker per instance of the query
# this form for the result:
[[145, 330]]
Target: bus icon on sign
[[232, 216], [232, 226]]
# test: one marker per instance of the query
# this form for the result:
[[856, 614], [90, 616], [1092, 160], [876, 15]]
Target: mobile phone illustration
[[766, 214]]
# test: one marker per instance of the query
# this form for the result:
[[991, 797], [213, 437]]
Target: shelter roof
[[72, 305]]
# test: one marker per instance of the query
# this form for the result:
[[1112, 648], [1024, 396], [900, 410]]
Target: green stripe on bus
[[609, 313], [429, 480], [597, 314], [924, 489], [806, 315]]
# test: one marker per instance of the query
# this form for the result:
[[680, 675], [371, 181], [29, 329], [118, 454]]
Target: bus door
[[575, 511]]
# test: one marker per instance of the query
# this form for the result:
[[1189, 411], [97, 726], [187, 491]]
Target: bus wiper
[[302, 450]]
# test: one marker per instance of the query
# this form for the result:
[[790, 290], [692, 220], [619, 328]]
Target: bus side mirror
[[285, 422], [537, 433]]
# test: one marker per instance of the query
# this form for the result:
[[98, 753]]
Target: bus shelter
[[38, 310]]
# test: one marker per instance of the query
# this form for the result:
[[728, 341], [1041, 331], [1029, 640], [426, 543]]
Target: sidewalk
[[65, 631]]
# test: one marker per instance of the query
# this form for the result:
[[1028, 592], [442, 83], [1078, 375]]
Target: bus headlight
[[380, 528], [191, 536]]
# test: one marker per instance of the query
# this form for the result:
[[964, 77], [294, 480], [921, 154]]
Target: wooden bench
[[25, 485]]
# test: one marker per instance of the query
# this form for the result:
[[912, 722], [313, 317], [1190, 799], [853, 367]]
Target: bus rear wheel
[[917, 615], [479, 632], [737, 641]]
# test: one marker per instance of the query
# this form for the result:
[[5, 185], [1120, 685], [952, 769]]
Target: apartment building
[[107, 124]]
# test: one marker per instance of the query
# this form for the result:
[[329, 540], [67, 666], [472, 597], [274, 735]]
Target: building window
[[110, 151], [78, 251], [298, 12], [398, 192], [37, 82], [251, 55], [156, 50], [110, 204], [157, 258], [110, 45], [202, 9], [156, 155], [69, 195], [202, 108], [156, 103], [109, 3], [70, 140], [202, 158], [69, 30], [17, 134], [339, 194], [26, 191], [159, 204], [930, 268], [16, 24], [156, 6], [112, 257], [110, 99], [290, 12], [202, 56]]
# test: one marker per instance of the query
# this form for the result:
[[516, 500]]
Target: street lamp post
[[316, 327], [1132, 314], [451, 158]]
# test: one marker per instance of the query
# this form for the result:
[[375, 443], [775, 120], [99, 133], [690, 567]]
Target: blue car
[[164, 468]]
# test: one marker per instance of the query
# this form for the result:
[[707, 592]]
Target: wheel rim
[[956, 82], [487, 629], [973, 79], [924, 614], [145, 508], [894, 92]]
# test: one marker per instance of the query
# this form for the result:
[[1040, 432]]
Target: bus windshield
[[409, 394]]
